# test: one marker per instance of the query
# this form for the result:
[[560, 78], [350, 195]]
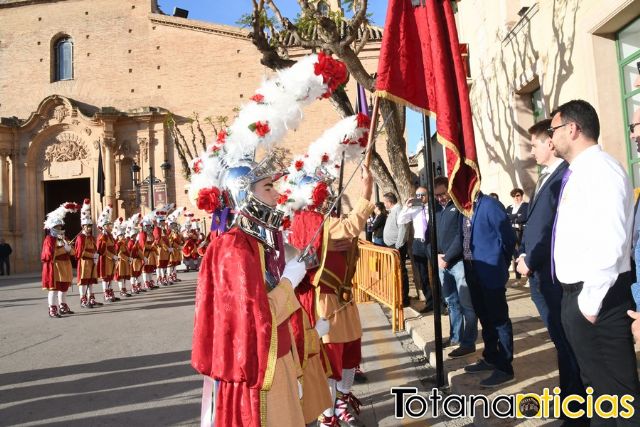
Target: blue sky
[[228, 12]]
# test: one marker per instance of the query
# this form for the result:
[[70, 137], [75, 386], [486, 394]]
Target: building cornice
[[194, 25]]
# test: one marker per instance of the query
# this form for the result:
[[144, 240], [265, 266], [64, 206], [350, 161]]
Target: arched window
[[63, 54], [323, 8]]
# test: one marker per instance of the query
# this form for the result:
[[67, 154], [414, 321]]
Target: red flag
[[421, 67]]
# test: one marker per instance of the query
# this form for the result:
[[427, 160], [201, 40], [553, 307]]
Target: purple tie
[[565, 179]]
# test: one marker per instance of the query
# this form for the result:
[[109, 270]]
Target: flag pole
[[372, 129], [434, 278]]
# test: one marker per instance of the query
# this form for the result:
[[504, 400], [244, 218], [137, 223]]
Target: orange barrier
[[378, 277]]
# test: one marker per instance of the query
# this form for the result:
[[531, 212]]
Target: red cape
[[46, 256], [233, 327]]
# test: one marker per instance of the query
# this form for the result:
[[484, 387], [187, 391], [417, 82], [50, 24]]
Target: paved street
[[128, 363]]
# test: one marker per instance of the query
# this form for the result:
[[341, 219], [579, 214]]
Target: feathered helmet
[[172, 219], [308, 183], [148, 220], [119, 227], [133, 225], [223, 176], [160, 215], [105, 216], [55, 218], [85, 213], [188, 217]]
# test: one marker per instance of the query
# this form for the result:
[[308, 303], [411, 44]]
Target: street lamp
[[149, 180]]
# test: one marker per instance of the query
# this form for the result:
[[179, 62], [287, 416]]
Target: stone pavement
[[535, 360], [128, 363]]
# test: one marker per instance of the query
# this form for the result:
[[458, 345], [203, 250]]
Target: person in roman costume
[[147, 245], [243, 341], [87, 255], [175, 241], [136, 254], [122, 271], [325, 292], [163, 247], [57, 273], [107, 255]]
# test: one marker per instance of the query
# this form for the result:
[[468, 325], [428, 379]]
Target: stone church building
[[84, 77]]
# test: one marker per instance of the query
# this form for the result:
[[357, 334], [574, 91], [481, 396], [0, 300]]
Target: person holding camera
[[517, 213], [415, 211]]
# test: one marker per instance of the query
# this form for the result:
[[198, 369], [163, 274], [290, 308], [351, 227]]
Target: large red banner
[[421, 67]]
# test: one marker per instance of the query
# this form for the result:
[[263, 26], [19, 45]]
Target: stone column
[[4, 178], [4, 192], [109, 173]]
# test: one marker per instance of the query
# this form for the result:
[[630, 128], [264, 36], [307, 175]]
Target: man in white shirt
[[591, 253], [395, 236], [415, 211]]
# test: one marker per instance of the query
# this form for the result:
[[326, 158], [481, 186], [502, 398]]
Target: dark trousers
[[490, 305], [404, 274], [604, 350], [569, 372], [421, 259], [5, 266]]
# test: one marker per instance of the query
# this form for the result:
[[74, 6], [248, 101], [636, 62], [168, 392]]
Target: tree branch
[[357, 20]]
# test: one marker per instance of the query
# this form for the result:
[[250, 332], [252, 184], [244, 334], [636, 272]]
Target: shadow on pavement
[[136, 380]]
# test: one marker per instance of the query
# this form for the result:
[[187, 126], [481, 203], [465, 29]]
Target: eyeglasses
[[421, 194], [632, 126], [552, 129]]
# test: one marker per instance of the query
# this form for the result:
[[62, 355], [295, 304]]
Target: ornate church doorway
[[67, 190]]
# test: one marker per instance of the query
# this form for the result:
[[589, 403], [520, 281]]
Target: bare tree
[[189, 146], [272, 33]]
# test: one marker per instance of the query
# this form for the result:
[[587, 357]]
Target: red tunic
[[136, 254], [233, 327], [84, 251], [107, 250], [56, 264]]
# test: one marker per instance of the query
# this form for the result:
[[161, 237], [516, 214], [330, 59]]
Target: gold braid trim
[[448, 144], [273, 352]]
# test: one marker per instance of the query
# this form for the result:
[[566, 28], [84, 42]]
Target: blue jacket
[[536, 240], [449, 220], [492, 242]]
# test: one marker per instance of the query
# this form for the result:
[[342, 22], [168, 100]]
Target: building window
[[628, 43], [63, 57], [537, 106], [323, 8]]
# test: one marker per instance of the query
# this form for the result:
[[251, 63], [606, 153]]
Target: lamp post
[[150, 180]]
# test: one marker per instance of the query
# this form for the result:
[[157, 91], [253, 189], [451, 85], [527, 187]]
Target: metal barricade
[[378, 277]]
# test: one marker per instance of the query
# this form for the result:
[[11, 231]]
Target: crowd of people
[[575, 255], [139, 254]]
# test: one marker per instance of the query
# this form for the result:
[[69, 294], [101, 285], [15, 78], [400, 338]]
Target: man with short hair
[[534, 261], [415, 211], [488, 244], [5, 251], [462, 317], [591, 253], [395, 236]]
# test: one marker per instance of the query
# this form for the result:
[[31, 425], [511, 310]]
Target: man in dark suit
[[517, 213], [534, 260], [462, 318], [488, 245]]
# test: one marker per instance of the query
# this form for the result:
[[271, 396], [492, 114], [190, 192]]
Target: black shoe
[[461, 351], [497, 378], [426, 309], [359, 376], [480, 366]]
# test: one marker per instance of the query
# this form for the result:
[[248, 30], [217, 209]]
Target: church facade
[[91, 79]]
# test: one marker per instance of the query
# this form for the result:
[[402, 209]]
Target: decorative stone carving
[[75, 122], [144, 148], [69, 147], [87, 130], [96, 144], [60, 112]]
